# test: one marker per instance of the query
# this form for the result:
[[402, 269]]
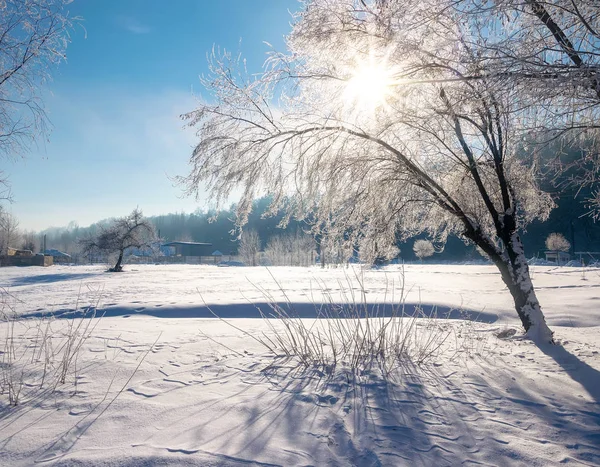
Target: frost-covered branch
[[33, 38], [353, 131]]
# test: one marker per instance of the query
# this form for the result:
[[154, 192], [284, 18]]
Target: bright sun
[[369, 87]]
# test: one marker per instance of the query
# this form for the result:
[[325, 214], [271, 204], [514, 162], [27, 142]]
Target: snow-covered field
[[162, 382]]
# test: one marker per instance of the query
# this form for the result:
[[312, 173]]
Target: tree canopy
[[386, 120], [33, 39]]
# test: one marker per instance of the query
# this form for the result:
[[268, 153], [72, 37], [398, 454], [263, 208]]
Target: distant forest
[[570, 218]]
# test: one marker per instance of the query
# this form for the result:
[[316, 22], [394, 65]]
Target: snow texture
[[205, 395]]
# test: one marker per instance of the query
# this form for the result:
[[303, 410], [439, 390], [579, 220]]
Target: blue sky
[[115, 105]]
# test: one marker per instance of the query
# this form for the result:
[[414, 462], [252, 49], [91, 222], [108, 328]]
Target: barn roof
[[187, 243], [56, 253]]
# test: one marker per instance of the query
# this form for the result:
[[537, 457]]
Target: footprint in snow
[[318, 399]]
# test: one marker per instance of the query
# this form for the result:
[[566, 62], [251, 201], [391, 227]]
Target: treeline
[[218, 229], [565, 171], [200, 226], [282, 246], [569, 218]]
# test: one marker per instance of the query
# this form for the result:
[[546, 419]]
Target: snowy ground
[[206, 395]]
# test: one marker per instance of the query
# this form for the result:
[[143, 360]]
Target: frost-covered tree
[[297, 249], [549, 52], [375, 253], [9, 231], [33, 39], [557, 242], [29, 241], [369, 127], [249, 247], [131, 231], [423, 249]]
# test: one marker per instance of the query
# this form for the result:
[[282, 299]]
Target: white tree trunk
[[514, 270], [515, 274]]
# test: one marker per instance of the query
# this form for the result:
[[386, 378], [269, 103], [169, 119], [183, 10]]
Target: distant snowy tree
[[131, 231], [557, 242], [29, 241], [369, 128], [423, 248], [374, 253], [291, 249], [277, 251], [9, 231], [249, 247]]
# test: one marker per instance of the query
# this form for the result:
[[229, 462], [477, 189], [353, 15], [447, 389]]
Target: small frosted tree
[[557, 242], [131, 231], [29, 241], [249, 247], [423, 249], [276, 250], [375, 253]]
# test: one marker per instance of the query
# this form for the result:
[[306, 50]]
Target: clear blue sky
[[115, 105]]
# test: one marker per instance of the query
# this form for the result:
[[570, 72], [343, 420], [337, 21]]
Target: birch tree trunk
[[516, 276], [514, 271]]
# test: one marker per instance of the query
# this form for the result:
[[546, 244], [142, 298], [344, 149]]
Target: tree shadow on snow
[[288, 414], [47, 279], [577, 369], [302, 416], [292, 310], [502, 413]]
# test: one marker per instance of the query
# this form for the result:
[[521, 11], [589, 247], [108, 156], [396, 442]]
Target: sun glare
[[369, 88]]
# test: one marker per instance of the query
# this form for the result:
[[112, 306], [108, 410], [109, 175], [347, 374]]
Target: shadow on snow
[[47, 279], [579, 371], [266, 310]]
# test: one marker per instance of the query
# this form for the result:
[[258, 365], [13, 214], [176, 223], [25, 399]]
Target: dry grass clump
[[348, 330], [40, 353]]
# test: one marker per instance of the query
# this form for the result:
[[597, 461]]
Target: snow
[[161, 381]]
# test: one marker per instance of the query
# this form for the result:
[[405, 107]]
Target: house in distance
[[193, 252], [188, 248]]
